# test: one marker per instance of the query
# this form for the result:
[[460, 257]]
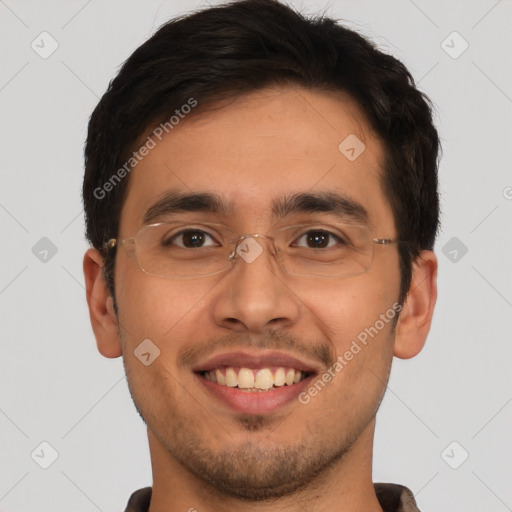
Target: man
[[261, 197]]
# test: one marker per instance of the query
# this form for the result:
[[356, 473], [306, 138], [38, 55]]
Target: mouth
[[256, 380], [255, 384]]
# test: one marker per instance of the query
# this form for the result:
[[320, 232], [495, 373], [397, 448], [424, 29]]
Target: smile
[[255, 382], [255, 379]]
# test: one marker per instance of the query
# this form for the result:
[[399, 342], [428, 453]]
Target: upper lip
[[261, 359]]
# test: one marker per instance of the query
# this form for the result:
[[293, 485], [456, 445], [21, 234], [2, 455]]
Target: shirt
[[392, 498]]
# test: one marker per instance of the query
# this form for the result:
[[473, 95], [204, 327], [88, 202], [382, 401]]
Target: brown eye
[[318, 239], [189, 239]]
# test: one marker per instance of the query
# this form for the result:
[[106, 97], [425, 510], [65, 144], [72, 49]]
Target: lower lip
[[255, 402]]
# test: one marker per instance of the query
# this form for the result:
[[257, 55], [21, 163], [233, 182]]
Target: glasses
[[185, 250]]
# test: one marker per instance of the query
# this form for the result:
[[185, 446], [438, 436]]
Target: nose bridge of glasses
[[250, 247]]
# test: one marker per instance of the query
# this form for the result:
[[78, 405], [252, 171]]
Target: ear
[[416, 316], [101, 306]]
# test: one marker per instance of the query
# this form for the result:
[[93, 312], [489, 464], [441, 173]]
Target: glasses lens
[[333, 251], [183, 249]]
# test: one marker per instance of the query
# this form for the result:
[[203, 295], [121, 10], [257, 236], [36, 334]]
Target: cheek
[[347, 308], [357, 317], [166, 313], [159, 309]]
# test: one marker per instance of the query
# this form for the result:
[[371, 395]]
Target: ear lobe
[[416, 316], [101, 308]]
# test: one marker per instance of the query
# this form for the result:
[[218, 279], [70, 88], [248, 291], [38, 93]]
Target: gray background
[[57, 388]]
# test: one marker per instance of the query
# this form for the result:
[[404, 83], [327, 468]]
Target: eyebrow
[[339, 205]]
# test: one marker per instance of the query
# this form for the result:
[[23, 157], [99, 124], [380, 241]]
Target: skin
[[313, 457]]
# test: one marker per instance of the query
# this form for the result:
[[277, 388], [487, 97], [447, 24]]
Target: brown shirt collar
[[392, 498]]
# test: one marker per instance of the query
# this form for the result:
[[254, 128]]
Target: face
[[253, 444]]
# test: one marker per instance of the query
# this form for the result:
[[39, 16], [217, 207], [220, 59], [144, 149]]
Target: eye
[[189, 239], [319, 239]]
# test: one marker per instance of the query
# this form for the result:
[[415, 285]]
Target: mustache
[[274, 340]]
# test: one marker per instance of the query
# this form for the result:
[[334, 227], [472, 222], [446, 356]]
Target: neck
[[345, 485]]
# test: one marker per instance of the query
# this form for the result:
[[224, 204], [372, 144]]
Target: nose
[[254, 295]]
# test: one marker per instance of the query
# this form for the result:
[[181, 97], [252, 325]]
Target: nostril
[[233, 321]]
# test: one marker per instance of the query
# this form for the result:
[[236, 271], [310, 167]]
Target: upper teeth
[[249, 378]]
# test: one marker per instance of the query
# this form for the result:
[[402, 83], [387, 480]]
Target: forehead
[[260, 148]]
